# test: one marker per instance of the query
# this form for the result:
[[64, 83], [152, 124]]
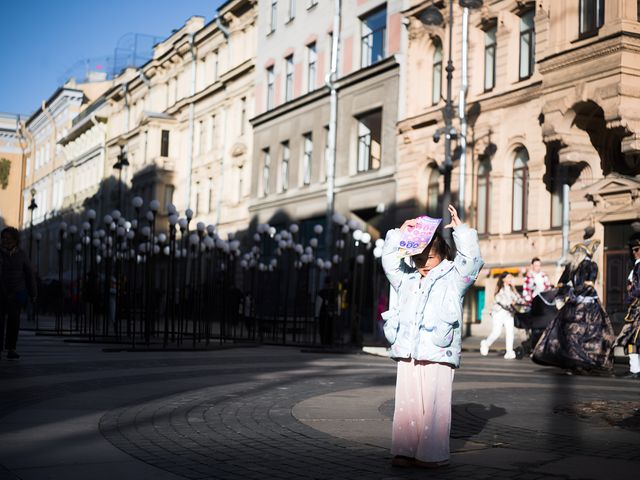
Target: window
[[484, 194], [270, 87], [527, 45], [292, 9], [591, 16], [168, 194], [306, 158], [164, 143], [312, 57], [520, 189], [202, 137], [210, 202], [369, 140], [489, 59], [288, 78], [243, 114], [266, 166], [284, 167], [557, 198], [436, 82], [433, 193], [213, 139], [273, 20], [373, 42]]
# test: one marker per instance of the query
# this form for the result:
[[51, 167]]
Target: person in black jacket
[[17, 284]]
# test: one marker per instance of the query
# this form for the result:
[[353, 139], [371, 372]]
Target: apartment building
[[181, 120], [291, 126], [553, 125], [12, 157]]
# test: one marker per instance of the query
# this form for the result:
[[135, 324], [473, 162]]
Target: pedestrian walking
[[629, 336], [502, 313], [535, 281], [17, 285], [424, 330], [580, 338]]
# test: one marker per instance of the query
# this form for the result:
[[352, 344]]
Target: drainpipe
[[464, 84], [565, 223], [222, 28], [330, 81], [191, 119]]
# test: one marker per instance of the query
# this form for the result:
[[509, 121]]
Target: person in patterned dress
[[629, 336]]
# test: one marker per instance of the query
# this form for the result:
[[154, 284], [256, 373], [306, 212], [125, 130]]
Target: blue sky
[[40, 40]]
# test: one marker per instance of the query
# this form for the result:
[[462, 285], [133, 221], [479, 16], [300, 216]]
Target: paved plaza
[[87, 411]]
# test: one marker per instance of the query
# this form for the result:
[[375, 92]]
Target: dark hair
[[437, 246], [500, 284], [12, 232], [534, 260]]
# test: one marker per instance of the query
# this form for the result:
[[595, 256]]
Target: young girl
[[502, 315], [424, 329]]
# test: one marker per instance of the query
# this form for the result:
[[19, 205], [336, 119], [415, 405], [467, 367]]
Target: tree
[[5, 169]]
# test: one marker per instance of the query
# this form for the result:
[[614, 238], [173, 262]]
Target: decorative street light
[[121, 162], [32, 206], [432, 16]]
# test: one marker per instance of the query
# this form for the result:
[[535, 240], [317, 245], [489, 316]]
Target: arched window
[[520, 189], [436, 84], [433, 193], [483, 196]]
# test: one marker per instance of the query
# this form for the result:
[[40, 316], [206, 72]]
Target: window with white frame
[[489, 58], [307, 154], [266, 171], [520, 189], [436, 77], [527, 44], [292, 10], [273, 16], [312, 58], [369, 141], [288, 78], [373, 40], [284, 166], [483, 193], [591, 16], [270, 87]]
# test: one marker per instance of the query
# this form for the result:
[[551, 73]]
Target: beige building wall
[[12, 150], [576, 115]]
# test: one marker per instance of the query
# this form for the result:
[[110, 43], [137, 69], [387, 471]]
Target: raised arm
[[468, 261], [394, 267]]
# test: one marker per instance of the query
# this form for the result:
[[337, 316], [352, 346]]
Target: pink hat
[[415, 239]]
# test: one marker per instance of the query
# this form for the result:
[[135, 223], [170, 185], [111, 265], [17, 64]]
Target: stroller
[[534, 319]]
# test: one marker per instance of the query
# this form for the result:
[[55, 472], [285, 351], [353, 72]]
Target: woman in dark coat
[[629, 336], [580, 337]]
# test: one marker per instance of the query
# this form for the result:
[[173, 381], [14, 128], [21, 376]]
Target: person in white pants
[[502, 315]]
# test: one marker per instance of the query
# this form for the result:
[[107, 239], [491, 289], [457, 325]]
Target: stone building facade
[[552, 113], [182, 119], [12, 157]]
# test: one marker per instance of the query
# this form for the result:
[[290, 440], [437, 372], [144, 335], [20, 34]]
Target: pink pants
[[422, 416]]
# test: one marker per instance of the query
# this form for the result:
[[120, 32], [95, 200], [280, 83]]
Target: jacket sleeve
[[635, 285], [527, 288], [394, 267], [468, 261]]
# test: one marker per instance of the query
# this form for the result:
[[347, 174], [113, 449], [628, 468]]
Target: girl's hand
[[411, 223], [455, 220]]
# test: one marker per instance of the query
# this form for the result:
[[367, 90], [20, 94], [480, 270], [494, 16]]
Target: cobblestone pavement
[[73, 411]]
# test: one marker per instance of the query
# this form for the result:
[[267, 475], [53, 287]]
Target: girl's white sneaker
[[484, 348], [510, 355]]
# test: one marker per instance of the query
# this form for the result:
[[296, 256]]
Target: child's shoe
[[484, 348], [510, 355]]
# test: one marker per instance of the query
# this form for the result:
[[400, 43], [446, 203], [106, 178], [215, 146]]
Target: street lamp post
[[122, 161], [32, 206], [432, 16]]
